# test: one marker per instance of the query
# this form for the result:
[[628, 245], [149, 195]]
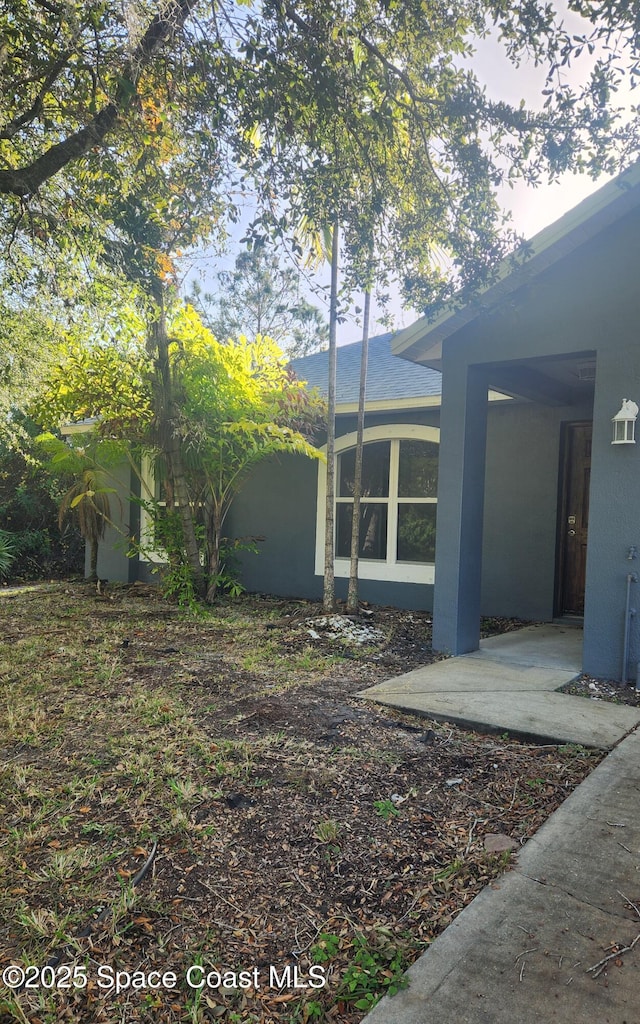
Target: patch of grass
[[43, 923], [450, 870], [535, 783], [97, 829], [64, 865], [573, 750], [327, 831], [109, 746]]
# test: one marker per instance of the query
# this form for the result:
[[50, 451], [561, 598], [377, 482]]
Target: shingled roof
[[389, 379]]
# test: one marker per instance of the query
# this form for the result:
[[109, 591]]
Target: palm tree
[[88, 496], [89, 499], [7, 552]]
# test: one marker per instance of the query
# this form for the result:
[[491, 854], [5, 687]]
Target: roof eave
[[422, 341]]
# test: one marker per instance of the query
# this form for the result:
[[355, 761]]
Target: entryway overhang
[[423, 340]]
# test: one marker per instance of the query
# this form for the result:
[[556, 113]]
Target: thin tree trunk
[[93, 561], [214, 536], [329, 590], [352, 595], [167, 412]]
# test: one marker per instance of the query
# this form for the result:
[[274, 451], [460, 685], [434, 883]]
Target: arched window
[[398, 508]]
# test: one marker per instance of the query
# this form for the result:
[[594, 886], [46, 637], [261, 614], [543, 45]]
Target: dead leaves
[[271, 803]]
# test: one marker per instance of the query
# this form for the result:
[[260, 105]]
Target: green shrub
[[29, 517], [7, 552]]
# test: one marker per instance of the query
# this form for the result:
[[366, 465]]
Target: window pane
[[416, 533], [375, 471], [373, 530], [418, 473]]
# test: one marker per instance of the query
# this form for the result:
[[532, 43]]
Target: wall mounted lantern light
[[624, 423]]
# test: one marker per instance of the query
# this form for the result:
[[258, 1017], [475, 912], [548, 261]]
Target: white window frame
[[148, 482], [148, 485], [390, 569]]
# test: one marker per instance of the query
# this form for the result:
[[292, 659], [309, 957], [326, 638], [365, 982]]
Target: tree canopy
[[237, 403], [187, 104], [27, 344], [262, 295]]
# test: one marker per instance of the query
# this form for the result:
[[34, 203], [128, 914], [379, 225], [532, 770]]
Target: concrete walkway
[[509, 686], [520, 952]]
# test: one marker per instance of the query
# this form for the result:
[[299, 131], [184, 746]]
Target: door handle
[[571, 533]]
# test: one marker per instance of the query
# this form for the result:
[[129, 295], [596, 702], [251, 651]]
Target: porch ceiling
[[564, 380]]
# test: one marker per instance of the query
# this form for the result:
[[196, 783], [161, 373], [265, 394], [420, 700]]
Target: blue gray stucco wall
[[614, 521], [278, 502], [113, 563], [520, 519], [459, 526], [521, 508], [587, 304]]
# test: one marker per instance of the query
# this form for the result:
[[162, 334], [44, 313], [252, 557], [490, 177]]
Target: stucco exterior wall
[[521, 508], [113, 563], [614, 522], [520, 519], [278, 502]]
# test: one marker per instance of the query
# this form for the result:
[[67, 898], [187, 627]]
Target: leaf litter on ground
[[297, 827]]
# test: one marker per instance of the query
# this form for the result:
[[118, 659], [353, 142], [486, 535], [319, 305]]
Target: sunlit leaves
[[98, 382], [236, 404]]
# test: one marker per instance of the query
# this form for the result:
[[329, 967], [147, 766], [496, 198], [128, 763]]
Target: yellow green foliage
[[100, 382], [237, 404]]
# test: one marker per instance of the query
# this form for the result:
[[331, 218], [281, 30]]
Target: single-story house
[[284, 499], [496, 481]]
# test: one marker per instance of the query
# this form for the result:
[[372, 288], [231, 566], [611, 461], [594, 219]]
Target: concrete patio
[[510, 685]]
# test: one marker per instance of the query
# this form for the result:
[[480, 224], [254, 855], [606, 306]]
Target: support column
[[463, 432]]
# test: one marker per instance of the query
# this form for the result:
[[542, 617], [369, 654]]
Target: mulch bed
[[604, 689], [303, 835]]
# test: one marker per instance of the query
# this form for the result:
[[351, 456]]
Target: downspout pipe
[[629, 612]]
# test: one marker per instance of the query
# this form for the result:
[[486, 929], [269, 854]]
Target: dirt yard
[[187, 801]]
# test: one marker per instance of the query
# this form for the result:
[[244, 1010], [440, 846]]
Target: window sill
[[401, 572]]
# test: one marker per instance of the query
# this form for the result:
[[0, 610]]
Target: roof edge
[[422, 341]]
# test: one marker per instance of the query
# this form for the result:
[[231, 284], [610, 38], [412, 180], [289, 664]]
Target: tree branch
[[24, 181], [17, 123]]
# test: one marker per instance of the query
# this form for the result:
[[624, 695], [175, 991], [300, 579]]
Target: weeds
[[327, 831], [109, 745], [376, 966], [450, 870], [386, 809]]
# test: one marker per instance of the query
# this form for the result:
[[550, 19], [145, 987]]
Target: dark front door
[[574, 518]]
